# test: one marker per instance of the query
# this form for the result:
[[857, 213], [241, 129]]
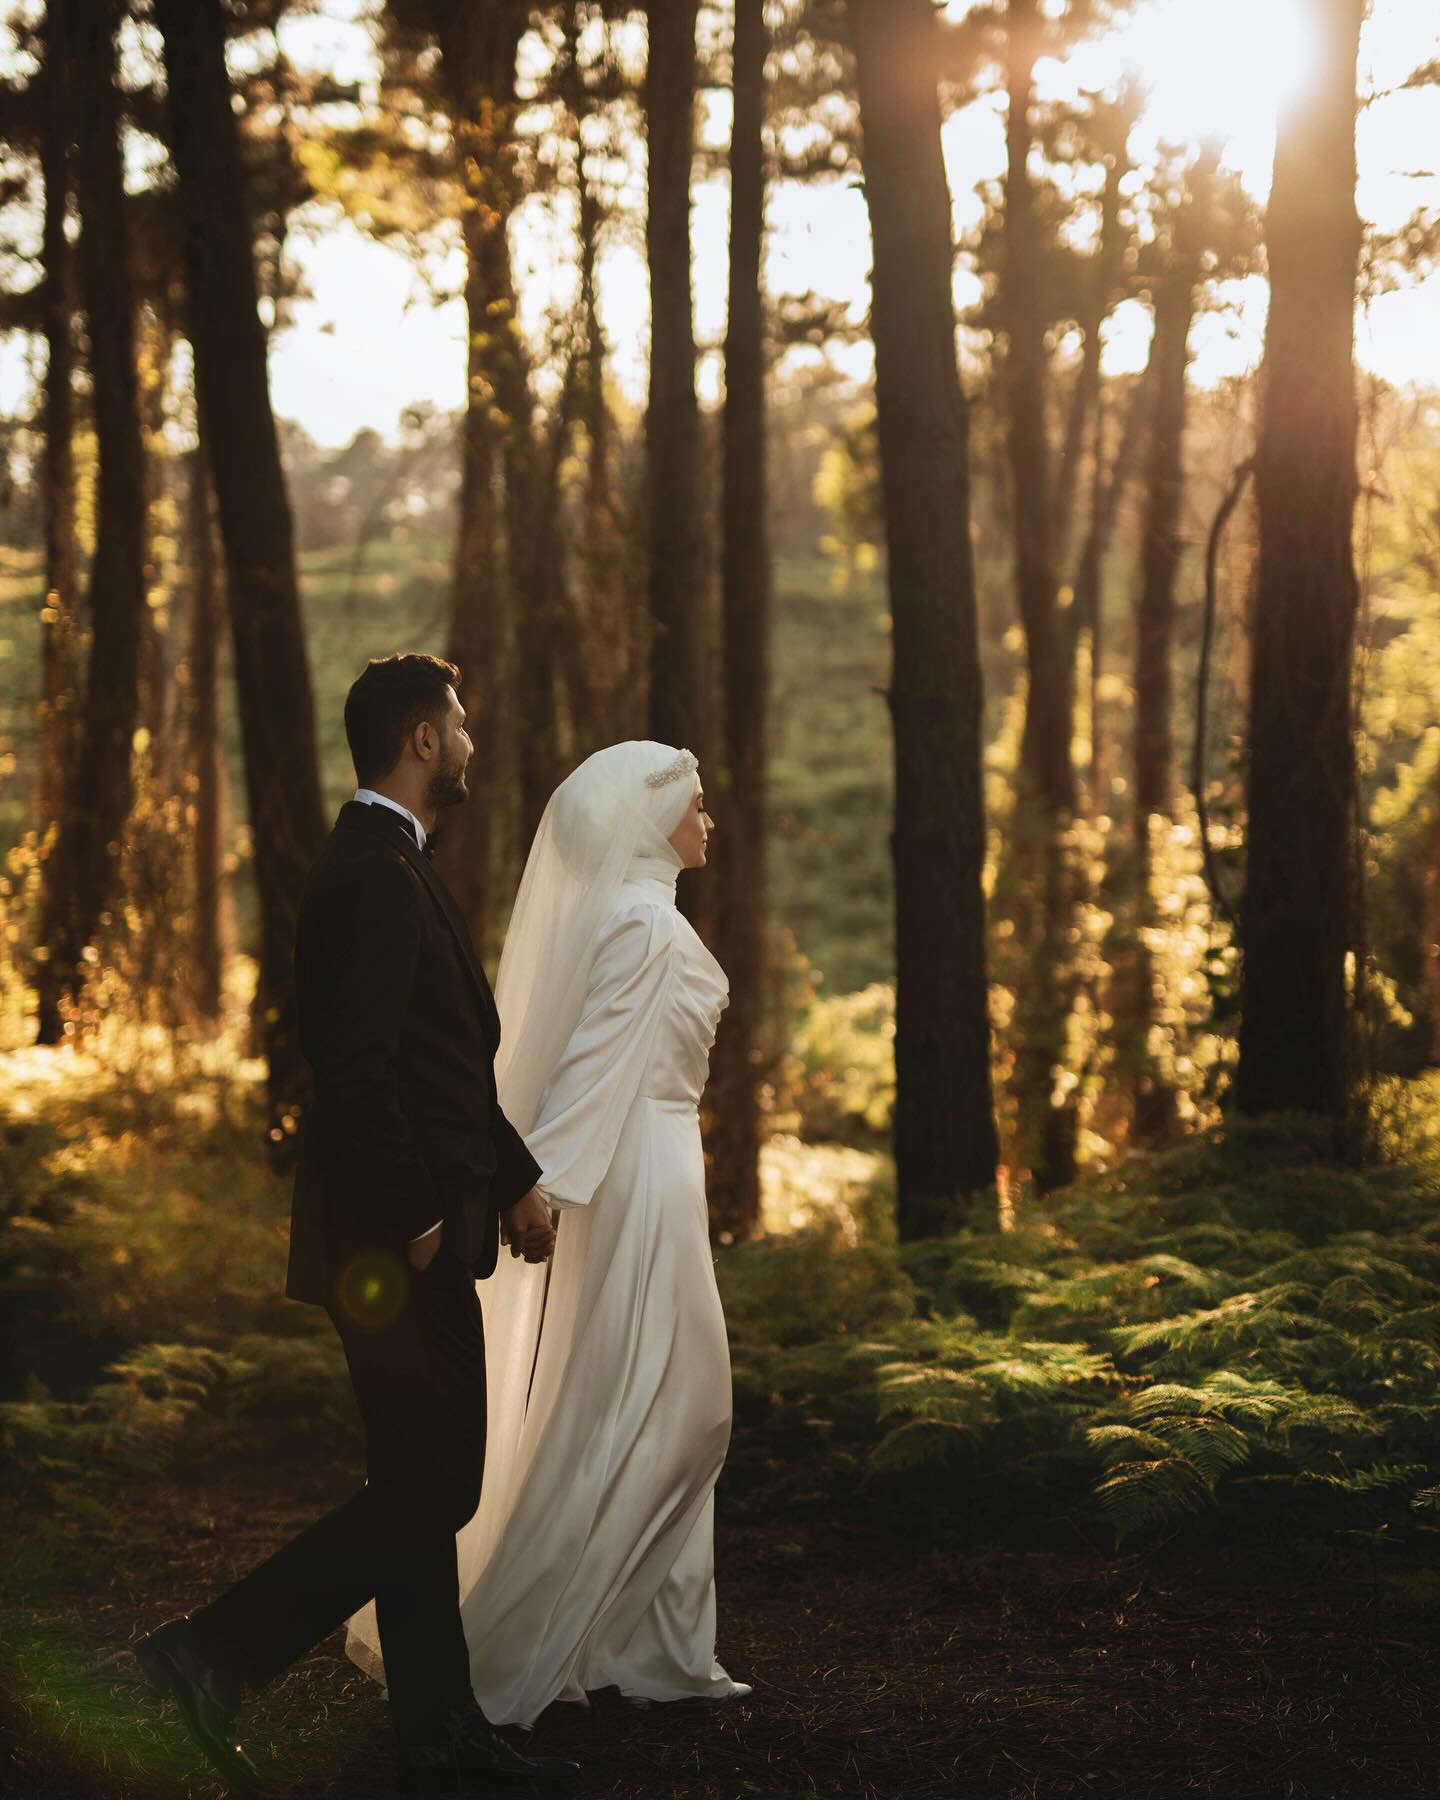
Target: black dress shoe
[[483, 1753], [478, 1761], [175, 1667]]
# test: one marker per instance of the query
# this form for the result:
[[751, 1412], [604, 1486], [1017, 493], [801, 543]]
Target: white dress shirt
[[368, 797]]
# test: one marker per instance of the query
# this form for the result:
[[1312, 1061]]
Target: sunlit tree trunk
[[272, 674], [614, 607], [206, 758], [671, 420], [1045, 746], [945, 1145], [740, 918], [1046, 798], [478, 48], [159, 649], [82, 869], [1176, 292], [1109, 478], [59, 681], [1296, 915], [1102, 286]]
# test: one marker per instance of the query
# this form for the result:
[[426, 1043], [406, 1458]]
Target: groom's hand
[[528, 1228]]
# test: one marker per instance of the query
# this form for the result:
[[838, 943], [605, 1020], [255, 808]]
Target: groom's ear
[[425, 741]]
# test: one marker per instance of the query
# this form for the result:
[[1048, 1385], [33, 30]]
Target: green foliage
[[1232, 1323], [128, 1422], [840, 1073], [808, 1287]]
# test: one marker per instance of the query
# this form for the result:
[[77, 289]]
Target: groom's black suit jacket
[[399, 1025]]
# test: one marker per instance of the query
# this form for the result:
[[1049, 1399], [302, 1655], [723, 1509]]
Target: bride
[[590, 1562]]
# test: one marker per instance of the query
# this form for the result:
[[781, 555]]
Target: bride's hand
[[528, 1228]]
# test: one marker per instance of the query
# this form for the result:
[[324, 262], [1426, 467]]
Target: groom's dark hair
[[392, 695]]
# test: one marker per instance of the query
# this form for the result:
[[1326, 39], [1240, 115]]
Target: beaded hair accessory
[[683, 764]]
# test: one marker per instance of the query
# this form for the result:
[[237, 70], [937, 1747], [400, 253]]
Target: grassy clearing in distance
[[830, 762]]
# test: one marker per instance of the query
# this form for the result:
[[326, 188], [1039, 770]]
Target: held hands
[[528, 1228]]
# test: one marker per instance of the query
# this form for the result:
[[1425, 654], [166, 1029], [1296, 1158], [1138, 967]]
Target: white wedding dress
[[605, 1572]]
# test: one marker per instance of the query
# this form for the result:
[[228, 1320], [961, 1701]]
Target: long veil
[[608, 822]]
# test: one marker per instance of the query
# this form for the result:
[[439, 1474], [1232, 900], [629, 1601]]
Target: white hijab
[[608, 823]]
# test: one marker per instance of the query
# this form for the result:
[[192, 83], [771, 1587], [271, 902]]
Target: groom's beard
[[447, 785]]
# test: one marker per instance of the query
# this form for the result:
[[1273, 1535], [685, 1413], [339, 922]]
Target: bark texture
[[1045, 744], [206, 756], [671, 420], [477, 67], [272, 674], [945, 1144], [741, 917], [82, 870], [59, 679], [1296, 916], [1176, 292]]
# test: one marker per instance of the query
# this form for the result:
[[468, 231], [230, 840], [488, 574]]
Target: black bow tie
[[428, 847]]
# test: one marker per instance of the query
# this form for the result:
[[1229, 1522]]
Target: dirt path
[[882, 1670]]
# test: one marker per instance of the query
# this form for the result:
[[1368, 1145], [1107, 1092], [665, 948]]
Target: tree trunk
[[740, 918], [613, 612], [671, 420], [1176, 291], [1104, 277], [1295, 922], [477, 50], [59, 679], [945, 1145], [207, 764], [159, 649], [1161, 546], [1045, 744], [82, 869], [1046, 796], [1108, 483], [547, 634], [272, 675]]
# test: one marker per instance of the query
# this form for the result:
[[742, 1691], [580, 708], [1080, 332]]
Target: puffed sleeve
[[598, 1077]]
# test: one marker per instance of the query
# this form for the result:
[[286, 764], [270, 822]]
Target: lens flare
[[372, 1290]]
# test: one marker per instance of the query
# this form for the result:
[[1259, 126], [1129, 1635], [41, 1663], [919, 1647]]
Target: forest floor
[[934, 1609], [1042, 1668]]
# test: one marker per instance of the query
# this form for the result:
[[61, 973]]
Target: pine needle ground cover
[[1137, 1498]]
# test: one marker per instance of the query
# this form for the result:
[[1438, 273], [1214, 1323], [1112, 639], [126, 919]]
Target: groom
[[409, 1174]]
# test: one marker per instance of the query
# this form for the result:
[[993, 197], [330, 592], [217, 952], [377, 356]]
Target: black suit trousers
[[420, 1384]]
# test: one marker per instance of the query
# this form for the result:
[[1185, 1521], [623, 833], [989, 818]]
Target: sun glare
[[1218, 67]]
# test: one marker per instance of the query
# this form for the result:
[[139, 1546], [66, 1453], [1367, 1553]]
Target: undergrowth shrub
[[1239, 1326], [190, 1404], [1234, 1324]]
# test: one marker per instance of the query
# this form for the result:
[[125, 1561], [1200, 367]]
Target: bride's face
[[692, 834]]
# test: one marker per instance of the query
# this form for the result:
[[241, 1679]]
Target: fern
[[1155, 1495], [1379, 1477], [1243, 1321], [918, 1444]]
